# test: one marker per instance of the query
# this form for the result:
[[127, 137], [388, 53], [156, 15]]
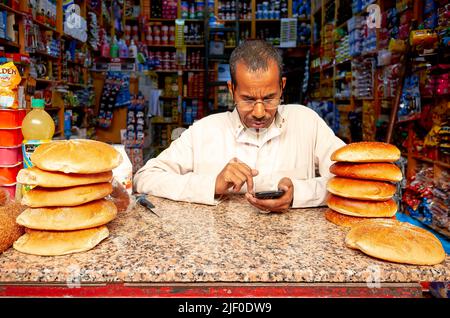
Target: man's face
[[257, 87]]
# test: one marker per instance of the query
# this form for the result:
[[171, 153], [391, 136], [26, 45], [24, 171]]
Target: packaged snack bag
[[9, 79]]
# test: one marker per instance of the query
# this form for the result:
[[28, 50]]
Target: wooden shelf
[[6, 42], [43, 80], [431, 161], [76, 84], [9, 9], [45, 26], [195, 45], [268, 20], [166, 71], [161, 45], [46, 55], [161, 20]]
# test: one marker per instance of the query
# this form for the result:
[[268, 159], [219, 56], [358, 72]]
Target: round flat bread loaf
[[361, 189], [76, 156], [48, 243], [367, 151], [396, 241], [36, 177], [362, 208], [79, 217], [369, 171], [342, 219], [345, 220], [46, 197]]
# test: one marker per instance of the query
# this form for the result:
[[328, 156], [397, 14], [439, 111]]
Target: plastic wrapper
[[9, 79]]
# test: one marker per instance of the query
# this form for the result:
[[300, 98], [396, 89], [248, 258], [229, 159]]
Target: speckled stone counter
[[231, 242]]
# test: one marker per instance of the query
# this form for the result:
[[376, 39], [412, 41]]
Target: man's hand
[[234, 175], [281, 204]]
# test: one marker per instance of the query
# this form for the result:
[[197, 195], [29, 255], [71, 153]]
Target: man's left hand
[[281, 204]]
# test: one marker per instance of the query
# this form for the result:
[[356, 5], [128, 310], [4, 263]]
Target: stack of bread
[[67, 210], [363, 186], [361, 198]]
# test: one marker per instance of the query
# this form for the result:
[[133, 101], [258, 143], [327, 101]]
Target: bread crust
[[36, 177], [46, 197], [76, 156], [361, 189], [85, 216], [51, 243], [367, 151], [369, 171], [396, 241], [362, 208]]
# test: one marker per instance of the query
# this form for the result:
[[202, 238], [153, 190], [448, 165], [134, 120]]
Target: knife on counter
[[143, 201]]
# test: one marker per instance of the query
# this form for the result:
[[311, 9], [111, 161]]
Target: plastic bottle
[[123, 49], [133, 49], [37, 128], [114, 51]]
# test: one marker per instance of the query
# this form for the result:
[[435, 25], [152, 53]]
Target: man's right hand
[[234, 175]]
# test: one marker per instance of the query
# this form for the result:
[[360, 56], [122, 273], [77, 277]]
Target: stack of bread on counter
[[67, 210], [361, 198], [363, 186]]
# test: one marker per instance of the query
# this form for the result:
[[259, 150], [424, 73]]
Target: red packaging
[[10, 137], [10, 155], [11, 118], [8, 174]]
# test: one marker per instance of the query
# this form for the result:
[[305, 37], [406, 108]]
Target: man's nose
[[259, 110]]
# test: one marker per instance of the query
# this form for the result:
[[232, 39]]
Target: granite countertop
[[231, 242]]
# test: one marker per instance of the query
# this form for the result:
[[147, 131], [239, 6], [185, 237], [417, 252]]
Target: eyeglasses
[[269, 104]]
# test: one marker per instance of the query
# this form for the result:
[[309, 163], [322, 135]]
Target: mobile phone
[[269, 194]]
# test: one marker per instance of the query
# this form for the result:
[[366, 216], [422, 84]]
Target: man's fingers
[[241, 178], [247, 172], [273, 205]]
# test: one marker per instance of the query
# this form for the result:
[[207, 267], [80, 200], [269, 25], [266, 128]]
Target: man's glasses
[[248, 105]]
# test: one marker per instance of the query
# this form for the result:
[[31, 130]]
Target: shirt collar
[[276, 128]]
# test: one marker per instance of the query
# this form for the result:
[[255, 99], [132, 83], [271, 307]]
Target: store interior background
[[132, 72]]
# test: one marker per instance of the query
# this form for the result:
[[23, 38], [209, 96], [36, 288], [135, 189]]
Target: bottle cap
[[37, 103]]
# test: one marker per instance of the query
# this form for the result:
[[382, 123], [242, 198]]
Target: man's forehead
[[246, 76]]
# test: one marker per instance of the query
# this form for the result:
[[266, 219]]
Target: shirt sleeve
[[313, 192], [171, 176]]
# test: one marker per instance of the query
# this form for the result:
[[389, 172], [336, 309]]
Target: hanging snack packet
[[9, 79]]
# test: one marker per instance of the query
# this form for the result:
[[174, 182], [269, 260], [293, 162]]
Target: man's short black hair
[[256, 55]]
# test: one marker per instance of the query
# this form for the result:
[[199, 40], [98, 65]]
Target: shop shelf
[[45, 26], [6, 42], [9, 9]]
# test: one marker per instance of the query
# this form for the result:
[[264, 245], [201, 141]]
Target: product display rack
[[369, 61], [49, 84]]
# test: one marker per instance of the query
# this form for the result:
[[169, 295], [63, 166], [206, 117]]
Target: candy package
[[9, 79]]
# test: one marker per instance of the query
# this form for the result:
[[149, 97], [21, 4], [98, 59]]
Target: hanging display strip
[[288, 32]]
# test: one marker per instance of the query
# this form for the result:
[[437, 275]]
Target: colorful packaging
[[9, 79]]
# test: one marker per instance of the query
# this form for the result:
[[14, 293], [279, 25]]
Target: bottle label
[[28, 147]]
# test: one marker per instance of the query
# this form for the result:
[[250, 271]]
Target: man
[[261, 145]]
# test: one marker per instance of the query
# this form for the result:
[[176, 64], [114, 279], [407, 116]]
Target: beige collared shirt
[[297, 142]]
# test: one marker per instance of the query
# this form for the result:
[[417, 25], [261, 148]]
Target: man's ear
[[230, 88], [283, 82]]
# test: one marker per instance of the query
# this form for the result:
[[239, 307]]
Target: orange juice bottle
[[37, 127]]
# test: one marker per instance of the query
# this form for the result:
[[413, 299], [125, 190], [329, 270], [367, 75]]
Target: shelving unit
[[44, 84]]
